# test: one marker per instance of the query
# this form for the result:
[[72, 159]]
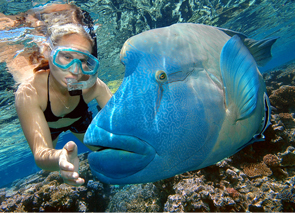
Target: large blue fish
[[192, 95]]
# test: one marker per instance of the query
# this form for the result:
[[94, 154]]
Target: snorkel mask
[[76, 61]]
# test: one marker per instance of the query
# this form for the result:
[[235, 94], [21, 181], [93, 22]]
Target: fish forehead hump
[[187, 44]]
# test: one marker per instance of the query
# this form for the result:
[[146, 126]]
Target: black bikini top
[[78, 112]]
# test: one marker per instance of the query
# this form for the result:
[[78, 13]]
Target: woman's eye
[[65, 56], [68, 57], [84, 61]]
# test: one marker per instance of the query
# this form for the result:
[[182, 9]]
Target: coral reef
[[283, 98], [271, 160], [139, 198], [255, 170], [45, 191], [261, 177]]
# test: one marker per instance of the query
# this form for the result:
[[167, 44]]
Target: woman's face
[[72, 41]]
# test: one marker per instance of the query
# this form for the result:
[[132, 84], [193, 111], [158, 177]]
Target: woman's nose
[[75, 69]]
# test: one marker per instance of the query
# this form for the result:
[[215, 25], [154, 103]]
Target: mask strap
[[88, 21], [48, 41]]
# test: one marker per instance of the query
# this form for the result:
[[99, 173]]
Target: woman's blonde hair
[[65, 22], [61, 21], [56, 32]]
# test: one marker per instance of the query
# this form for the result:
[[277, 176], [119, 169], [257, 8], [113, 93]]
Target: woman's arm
[[37, 133], [35, 127]]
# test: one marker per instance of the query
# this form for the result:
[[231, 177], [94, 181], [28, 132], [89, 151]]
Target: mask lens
[[64, 58]]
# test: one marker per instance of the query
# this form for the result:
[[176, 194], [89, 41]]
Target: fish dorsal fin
[[240, 77], [260, 49]]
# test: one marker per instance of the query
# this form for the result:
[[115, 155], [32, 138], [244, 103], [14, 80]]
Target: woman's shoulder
[[97, 88], [99, 84], [98, 91], [33, 86]]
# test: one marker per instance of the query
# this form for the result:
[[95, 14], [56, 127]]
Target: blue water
[[23, 161], [258, 20], [18, 162]]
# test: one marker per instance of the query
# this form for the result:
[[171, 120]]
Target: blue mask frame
[[76, 61]]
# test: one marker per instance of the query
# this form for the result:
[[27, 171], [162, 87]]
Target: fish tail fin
[[240, 77]]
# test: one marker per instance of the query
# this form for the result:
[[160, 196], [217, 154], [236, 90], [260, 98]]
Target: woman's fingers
[[71, 177], [72, 154], [65, 165], [72, 150], [76, 182], [68, 175], [69, 165]]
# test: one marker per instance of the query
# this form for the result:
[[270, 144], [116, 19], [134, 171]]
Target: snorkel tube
[[75, 87]]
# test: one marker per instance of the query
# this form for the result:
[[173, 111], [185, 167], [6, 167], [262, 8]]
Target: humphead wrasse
[[192, 95]]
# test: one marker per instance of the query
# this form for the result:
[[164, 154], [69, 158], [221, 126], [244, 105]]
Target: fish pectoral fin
[[240, 77]]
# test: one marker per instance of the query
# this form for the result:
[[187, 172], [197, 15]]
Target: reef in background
[[261, 177]]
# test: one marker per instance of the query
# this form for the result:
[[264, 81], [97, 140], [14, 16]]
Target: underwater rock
[[288, 157], [283, 99], [287, 119], [2, 195], [287, 195]]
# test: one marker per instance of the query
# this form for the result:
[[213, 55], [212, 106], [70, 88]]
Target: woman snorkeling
[[55, 98]]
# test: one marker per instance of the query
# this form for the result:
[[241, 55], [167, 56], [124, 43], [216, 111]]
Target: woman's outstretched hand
[[69, 165]]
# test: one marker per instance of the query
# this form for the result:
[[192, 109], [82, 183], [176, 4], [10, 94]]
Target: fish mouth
[[119, 156]]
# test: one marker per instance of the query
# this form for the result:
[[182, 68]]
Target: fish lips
[[120, 156]]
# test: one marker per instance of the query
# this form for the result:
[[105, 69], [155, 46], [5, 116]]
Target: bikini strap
[[48, 101]]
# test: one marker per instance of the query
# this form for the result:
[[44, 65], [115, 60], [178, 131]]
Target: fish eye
[[161, 76]]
